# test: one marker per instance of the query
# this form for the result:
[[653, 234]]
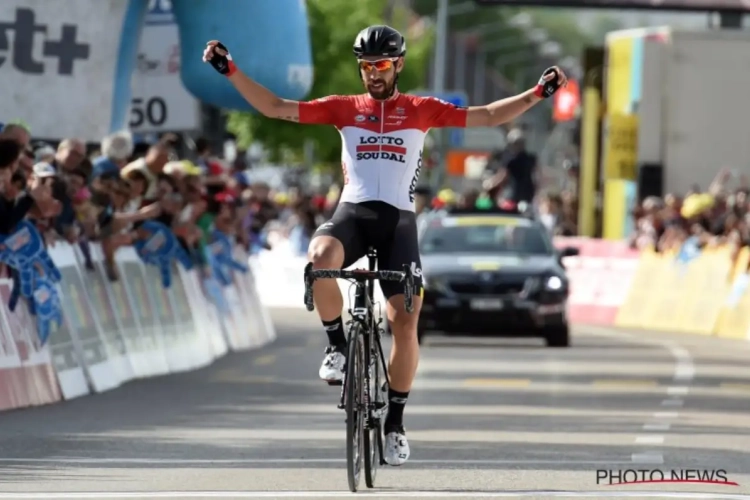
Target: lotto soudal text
[[612, 477], [381, 147]]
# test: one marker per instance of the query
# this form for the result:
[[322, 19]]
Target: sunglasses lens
[[383, 65]]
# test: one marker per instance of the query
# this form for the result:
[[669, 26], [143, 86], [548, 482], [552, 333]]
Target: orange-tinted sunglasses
[[380, 65]]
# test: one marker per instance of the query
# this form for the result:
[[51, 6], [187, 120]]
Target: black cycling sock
[[396, 404], [335, 331]]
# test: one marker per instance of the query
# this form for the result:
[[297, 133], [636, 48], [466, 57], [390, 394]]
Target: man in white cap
[[46, 207]]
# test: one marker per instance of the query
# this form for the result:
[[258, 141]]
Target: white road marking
[[674, 391], [673, 402], [649, 439], [684, 373], [666, 414], [261, 461], [648, 457], [656, 426], [376, 493]]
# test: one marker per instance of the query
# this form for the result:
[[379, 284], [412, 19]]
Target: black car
[[492, 273]]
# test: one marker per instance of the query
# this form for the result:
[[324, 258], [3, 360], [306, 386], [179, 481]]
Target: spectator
[[302, 225], [43, 152], [151, 166], [18, 133], [115, 222], [514, 169], [70, 154], [186, 226], [12, 209], [117, 148]]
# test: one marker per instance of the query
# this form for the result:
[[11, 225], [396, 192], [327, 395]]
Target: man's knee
[[402, 322], [326, 252]]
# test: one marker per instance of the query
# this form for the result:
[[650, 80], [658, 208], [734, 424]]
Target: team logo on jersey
[[359, 118], [373, 118], [381, 148]]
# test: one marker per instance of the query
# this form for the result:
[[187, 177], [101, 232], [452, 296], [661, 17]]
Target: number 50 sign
[[160, 102]]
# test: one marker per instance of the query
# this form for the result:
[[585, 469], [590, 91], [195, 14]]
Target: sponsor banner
[[278, 275], [247, 285], [27, 377], [160, 101], [112, 331], [205, 313], [77, 292], [196, 343], [68, 53], [600, 278], [145, 350], [259, 324]]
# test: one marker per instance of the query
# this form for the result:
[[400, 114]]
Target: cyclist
[[382, 134]]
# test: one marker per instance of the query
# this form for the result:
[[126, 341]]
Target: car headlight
[[554, 283]]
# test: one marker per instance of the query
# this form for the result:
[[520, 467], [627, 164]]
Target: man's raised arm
[[259, 97], [506, 110]]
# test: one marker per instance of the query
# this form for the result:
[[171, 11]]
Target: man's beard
[[382, 91]]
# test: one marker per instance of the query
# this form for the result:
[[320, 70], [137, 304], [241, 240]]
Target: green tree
[[563, 28], [602, 25], [333, 26]]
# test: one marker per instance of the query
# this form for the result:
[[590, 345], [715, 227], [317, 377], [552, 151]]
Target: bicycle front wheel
[[373, 435], [355, 411]]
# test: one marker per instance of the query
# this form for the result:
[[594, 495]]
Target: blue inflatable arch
[[269, 40]]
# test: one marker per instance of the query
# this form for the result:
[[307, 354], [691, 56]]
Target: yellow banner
[[619, 68], [621, 150]]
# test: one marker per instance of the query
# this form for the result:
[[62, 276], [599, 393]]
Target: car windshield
[[484, 235]]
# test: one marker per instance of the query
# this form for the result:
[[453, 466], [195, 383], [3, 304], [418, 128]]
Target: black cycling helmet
[[379, 40]]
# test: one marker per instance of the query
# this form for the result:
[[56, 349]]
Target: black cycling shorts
[[390, 231]]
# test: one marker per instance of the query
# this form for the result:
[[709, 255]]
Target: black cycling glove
[[545, 89], [222, 63]]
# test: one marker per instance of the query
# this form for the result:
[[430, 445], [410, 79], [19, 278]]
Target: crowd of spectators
[[719, 215], [75, 194], [78, 194]]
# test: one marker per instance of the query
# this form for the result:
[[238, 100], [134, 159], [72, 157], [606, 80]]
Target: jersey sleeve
[[438, 113], [323, 111]]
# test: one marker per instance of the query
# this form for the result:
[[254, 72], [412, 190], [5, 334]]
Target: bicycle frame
[[363, 313]]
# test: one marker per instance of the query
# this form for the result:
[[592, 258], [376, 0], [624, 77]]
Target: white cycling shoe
[[396, 448], [332, 368]]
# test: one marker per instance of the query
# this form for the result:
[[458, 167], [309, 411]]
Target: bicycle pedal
[[379, 412]]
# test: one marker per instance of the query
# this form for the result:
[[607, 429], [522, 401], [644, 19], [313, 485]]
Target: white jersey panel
[[381, 166]]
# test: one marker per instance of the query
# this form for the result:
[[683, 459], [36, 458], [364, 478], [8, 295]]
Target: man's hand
[[551, 81], [218, 56]]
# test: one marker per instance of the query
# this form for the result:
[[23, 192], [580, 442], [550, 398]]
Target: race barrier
[[693, 291], [101, 333], [279, 274], [600, 277]]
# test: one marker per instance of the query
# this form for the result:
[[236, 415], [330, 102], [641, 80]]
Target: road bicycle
[[364, 392]]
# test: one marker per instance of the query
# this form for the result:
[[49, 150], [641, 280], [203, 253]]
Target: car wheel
[[557, 336]]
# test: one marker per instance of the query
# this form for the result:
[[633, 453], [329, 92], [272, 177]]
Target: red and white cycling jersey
[[382, 141]]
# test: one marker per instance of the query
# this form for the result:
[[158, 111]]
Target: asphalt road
[[487, 418]]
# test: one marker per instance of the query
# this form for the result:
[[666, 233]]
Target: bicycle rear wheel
[[355, 412], [373, 435]]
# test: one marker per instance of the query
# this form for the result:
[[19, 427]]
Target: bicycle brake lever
[[309, 305], [408, 289]]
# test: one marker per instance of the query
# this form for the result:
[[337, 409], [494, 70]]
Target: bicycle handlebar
[[360, 275]]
